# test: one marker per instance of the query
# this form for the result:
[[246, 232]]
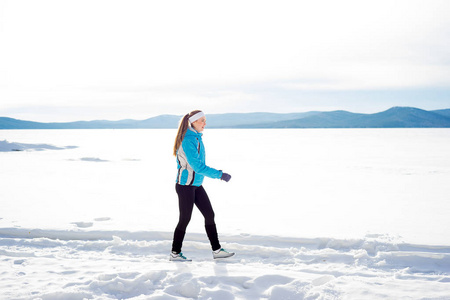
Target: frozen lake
[[311, 214], [339, 183]]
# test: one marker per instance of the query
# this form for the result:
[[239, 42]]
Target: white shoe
[[222, 253], [178, 257]]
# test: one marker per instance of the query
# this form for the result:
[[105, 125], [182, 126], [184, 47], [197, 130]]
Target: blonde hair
[[182, 128]]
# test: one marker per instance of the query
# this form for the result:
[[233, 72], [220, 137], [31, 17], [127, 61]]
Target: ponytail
[[182, 128]]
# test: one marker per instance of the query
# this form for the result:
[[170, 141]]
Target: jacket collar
[[194, 132]]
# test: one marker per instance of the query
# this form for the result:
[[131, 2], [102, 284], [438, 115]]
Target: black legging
[[187, 197]]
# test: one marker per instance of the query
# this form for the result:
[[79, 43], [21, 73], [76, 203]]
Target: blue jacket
[[191, 161]]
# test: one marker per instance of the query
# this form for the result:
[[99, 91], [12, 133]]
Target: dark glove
[[226, 177]]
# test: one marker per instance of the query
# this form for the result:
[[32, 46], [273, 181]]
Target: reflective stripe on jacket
[[191, 161]]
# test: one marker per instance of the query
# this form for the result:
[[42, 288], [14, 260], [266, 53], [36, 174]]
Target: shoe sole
[[182, 260], [224, 256]]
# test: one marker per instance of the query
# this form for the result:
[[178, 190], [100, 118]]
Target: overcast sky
[[83, 60]]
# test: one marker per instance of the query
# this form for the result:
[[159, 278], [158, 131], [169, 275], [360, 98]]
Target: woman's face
[[200, 124]]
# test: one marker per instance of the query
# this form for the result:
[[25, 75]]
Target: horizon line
[[227, 113]]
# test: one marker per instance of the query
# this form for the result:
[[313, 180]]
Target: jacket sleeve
[[195, 161]]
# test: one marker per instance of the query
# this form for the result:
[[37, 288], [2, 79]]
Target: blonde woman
[[192, 169]]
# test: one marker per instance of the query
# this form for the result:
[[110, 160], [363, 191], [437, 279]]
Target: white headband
[[196, 117]]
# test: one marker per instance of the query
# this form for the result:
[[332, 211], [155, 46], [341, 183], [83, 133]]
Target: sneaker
[[222, 253], [178, 257]]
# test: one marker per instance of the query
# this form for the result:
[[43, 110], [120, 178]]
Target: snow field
[[311, 214], [264, 268]]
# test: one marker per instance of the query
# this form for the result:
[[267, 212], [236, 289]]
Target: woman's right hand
[[226, 177]]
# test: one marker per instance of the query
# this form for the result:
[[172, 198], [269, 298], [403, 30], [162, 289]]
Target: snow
[[311, 214], [7, 146]]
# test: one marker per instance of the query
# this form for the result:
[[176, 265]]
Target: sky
[[67, 60]]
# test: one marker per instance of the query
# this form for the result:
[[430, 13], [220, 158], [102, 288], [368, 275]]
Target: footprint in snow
[[19, 261]]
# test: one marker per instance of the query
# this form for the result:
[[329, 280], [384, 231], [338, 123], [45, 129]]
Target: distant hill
[[444, 112], [396, 117]]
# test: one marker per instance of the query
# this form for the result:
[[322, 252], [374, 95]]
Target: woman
[[190, 154]]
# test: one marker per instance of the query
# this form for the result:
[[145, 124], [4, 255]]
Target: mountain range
[[395, 117]]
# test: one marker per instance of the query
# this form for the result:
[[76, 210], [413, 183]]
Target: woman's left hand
[[226, 177]]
